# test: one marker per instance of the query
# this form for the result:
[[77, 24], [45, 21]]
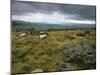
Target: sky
[[53, 13]]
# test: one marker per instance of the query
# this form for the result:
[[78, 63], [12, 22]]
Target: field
[[62, 50]]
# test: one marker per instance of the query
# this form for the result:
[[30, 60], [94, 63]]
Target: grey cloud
[[84, 11]]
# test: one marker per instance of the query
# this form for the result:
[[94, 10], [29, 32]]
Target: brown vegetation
[[57, 52]]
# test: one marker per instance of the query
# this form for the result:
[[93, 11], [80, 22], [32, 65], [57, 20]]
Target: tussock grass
[[30, 53]]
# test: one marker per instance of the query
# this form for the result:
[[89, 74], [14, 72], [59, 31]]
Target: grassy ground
[[60, 51]]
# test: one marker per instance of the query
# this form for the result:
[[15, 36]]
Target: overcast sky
[[53, 13]]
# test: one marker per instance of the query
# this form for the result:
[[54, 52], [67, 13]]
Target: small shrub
[[81, 34], [84, 55], [87, 32]]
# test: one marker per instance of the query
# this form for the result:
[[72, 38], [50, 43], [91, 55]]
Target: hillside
[[61, 51], [23, 26]]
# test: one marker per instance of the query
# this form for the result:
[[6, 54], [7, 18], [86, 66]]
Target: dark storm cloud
[[53, 12], [19, 8]]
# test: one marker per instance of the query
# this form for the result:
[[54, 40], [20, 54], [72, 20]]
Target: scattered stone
[[37, 70]]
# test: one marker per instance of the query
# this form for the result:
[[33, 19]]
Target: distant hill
[[23, 26]]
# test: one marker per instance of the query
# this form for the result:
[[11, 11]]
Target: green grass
[[30, 53]]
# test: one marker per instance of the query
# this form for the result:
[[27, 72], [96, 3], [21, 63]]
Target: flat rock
[[37, 70]]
